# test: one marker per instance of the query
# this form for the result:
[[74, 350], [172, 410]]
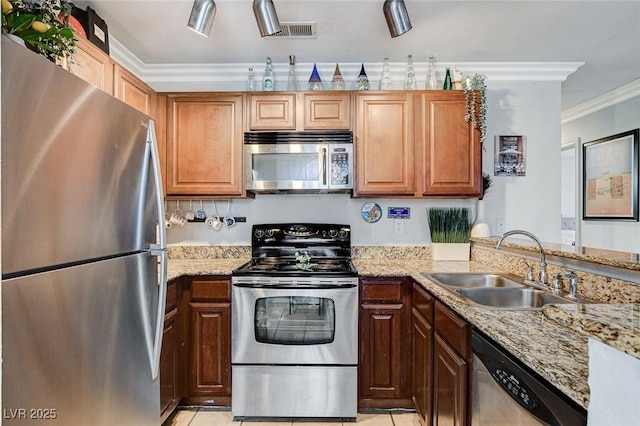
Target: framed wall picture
[[610, 177], [510, 156]]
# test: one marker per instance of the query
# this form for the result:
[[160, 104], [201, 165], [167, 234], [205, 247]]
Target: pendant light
[[201, 18], [395, 12], [266, 17]]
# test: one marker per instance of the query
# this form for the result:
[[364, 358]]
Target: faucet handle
[[556, 284], [573, 283], [529, 270]]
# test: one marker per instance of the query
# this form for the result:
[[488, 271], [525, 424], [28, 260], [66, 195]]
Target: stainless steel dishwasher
[[506, 392]]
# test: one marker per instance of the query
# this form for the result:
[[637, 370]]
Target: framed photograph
[[510, 156], [610, 177]]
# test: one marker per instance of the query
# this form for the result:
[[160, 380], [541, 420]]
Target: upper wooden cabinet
[[384, 138], [96, 67], [450, 147], [133, 91], [204, 144], [299, 111], [415, 143], [92, 65]]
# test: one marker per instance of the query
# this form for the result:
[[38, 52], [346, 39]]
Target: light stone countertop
[[615, 325], [557, 353]]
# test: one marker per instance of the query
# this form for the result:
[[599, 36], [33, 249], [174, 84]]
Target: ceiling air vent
[[296, 30]]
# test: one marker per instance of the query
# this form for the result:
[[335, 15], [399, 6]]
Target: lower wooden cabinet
[[195, 360], [451, 368], [441, 362], [209, 358], [171, 366], [385, 333], [422, 354]]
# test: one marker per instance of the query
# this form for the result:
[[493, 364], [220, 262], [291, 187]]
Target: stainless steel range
[[295, 324]]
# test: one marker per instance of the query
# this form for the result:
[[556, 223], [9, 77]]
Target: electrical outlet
[[500, 225], [398, 226]]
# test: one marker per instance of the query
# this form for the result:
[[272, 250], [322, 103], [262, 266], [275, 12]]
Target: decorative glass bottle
[[292, 84], [385, 80], [448, 85], [315, 83], [410, 75], [432, 79], [362, 82], [251, 82], [337, 82], [268, 80]]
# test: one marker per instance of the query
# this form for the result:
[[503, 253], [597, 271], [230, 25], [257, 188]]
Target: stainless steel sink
[[475, 280], [496, 291], [510, 298]]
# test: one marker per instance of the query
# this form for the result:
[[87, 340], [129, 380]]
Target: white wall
[[531, 202], [617, 118]]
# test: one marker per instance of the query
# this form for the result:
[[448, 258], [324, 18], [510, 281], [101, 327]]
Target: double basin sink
[[496, 291]]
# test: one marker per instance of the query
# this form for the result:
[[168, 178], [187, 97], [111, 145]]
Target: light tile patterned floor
[[204, 417]]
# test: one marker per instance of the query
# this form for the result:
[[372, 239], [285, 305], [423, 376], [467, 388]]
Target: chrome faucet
[[542, 276]]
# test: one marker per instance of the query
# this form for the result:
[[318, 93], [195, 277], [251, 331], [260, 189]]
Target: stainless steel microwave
[[319, 161]]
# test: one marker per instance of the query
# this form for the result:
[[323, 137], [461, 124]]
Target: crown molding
[[621, 94], [233, 77]]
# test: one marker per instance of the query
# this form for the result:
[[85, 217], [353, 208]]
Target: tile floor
[[205, 417]]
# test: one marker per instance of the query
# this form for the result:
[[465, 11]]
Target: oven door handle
[[294, 286]]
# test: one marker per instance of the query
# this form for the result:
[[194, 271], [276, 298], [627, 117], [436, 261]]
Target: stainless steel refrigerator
[[83, 259]]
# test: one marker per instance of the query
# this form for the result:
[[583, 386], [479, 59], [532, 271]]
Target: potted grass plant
[[450, 230]]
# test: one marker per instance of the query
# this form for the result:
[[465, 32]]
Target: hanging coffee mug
[[214, 223], [229, 221]]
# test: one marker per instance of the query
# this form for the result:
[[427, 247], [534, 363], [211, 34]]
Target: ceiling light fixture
[[395, 12], [201, 18], [266, 17]]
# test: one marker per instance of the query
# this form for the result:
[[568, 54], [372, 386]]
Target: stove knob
[[343, 233], [333, 233], [259, 233], [269, 233]]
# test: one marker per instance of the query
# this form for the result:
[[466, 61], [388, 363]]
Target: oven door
[[299, 326]]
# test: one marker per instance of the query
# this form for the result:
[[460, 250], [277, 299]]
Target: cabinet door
[[204, 144], [92, 65], [210, 355], [169, 362], [330, 111], [132, 91], [422, 367], [272, 111], [384, 137], [451, 150], [381, 348], [450, 384]]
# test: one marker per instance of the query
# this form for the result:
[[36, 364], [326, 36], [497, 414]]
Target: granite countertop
[[552, 342], [616, 325]]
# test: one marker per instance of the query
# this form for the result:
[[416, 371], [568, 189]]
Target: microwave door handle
[[324, 167]]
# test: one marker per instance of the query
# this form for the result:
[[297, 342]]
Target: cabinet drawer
[[423, 302], [455, 330], [381, 290], [218, 289]]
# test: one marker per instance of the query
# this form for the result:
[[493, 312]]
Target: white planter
[[450, 251], [480, 227]]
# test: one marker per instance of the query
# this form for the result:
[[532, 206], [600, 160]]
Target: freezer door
[[79, 345], [77, 176]]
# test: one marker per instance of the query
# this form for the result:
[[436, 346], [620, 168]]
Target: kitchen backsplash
[[593, 286]]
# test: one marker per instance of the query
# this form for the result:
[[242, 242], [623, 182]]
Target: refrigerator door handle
[[158, 249], [157, 180], [162, 301]]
